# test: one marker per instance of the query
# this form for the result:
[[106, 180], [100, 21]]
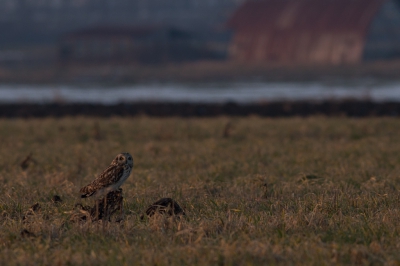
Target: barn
[[328, 32]]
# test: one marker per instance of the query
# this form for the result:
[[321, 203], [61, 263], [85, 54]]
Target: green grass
[[315, 191]]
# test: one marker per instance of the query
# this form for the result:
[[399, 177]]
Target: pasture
[[256, 191]]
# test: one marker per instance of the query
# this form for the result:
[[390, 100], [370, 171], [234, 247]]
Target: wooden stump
[[104, 208]]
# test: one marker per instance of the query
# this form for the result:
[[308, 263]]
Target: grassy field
[[315, 191]]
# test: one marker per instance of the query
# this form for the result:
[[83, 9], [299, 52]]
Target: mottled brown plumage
[[111, 178]]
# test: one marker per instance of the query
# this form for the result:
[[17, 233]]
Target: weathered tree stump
[[103, 208]]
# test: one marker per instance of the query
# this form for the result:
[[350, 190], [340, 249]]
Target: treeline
[[26, 20], [351, 108]]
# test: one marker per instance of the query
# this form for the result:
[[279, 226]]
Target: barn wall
[[302, 31]]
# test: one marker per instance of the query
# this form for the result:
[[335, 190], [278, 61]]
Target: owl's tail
[[87, 191]]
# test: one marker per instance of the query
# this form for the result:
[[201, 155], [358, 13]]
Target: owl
[[111, 178]]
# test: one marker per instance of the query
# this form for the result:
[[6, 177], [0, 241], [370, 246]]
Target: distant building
[[315, 31], [144, 45]]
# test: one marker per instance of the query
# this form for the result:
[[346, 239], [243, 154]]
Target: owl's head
[[123, 159]]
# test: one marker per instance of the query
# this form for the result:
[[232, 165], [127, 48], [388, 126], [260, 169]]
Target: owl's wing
[[109, 176]]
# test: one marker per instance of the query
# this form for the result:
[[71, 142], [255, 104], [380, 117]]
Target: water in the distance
[[209, 93]]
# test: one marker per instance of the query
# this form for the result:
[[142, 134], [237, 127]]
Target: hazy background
[[44, 21], [160, 50]]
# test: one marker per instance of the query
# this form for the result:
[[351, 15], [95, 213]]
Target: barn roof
[[324, 31], [316, 15]]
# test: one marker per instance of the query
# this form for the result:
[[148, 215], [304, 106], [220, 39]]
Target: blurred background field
[[142, 41], [274, 124], [255, 190], [195, 51]]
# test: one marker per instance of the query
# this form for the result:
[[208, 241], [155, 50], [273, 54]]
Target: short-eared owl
[[111, 178]]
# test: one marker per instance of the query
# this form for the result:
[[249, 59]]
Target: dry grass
[[313, 191]]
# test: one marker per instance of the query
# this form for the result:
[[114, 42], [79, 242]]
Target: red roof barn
[[313, 31]]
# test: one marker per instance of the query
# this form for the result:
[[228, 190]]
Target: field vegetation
[[256, 191]]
